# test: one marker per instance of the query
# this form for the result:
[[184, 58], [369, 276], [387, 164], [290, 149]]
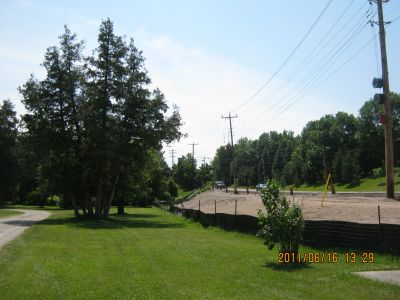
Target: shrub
[[53, 200], [378, 172], [283, 224], [172, 188], [36, 198]]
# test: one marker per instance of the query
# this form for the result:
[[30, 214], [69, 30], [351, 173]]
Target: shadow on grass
[[114, 222], [288, 267]]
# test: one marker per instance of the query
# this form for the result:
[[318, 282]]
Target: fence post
[[380, 227], [215, 211], [199, 212], [235, 206]]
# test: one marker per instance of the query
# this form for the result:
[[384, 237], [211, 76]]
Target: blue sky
[[209, 57]]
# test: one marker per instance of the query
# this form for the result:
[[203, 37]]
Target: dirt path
[[12, 227], [358, 209]]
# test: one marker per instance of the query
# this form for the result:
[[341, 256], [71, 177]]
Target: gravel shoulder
[[13, 226], [336, 207]]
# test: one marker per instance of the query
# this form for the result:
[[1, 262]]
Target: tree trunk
[[112, 195], [99, 199], [75, 207], [121, 208], [88, 204]]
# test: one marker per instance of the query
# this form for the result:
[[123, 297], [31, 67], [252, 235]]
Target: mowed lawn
[[152, 254], [8, 213]]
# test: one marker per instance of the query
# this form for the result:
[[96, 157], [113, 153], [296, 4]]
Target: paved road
[[392, 276], [12, 227]]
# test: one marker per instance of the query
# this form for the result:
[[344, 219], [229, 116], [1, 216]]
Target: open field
[[149, 253], [336, 207], [8, 213]]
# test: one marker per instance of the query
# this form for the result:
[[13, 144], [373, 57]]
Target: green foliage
[[185, 173], [221, 164], [204, 174], [36, 197], [8, 162], [93, 122], [172, 188], [283, 223], [346, 146], [53, 200]]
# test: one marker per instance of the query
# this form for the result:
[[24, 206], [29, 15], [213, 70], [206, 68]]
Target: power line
[[172, 151], [310, 56], [318, 69], [321, 68], [230, 126], [193, 144], [287, 59]]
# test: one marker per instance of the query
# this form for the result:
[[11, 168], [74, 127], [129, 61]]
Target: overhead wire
[[287, 59], [309, 58], [326, 62], [329, 76], [311, 82]]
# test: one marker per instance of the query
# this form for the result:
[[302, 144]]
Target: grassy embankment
[[151, 254], [183, 194], [369, 184], [7, 213], [364, 185]]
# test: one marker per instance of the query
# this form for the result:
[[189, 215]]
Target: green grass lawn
[[152, 254], [365, 185], [7, 213]]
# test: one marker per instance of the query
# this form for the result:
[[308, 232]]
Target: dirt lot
[[338, 207]]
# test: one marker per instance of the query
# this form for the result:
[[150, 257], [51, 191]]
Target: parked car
[[219, 185], [261, 186]]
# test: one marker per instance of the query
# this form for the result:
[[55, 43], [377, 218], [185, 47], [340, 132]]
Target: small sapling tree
[[283, 224]]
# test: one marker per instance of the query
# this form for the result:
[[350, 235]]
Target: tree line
[[346, 146], [93, 130]]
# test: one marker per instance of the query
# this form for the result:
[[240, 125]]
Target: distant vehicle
[[261, 186], [219, 185]]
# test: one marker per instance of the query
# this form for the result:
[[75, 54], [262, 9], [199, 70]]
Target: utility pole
[[230, 126], [204, 159], [387, 105], [172, 151], [193, 144]]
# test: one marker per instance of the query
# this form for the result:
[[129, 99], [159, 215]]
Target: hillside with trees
[[346, 146]]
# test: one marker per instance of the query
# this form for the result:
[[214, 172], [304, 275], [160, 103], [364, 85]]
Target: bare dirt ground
[[359, 209], [12, 227]]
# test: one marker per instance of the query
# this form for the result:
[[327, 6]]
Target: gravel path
[[12, 227]]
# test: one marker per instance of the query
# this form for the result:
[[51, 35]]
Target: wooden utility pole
[[387, 105], [205, 160], [230, 126], [193, 144], [172, 151]]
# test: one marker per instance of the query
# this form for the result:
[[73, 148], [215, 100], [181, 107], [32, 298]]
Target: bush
[[283, 224], [165, 197], [378, 172], [53, 200], [36, 198], [172, 188]]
